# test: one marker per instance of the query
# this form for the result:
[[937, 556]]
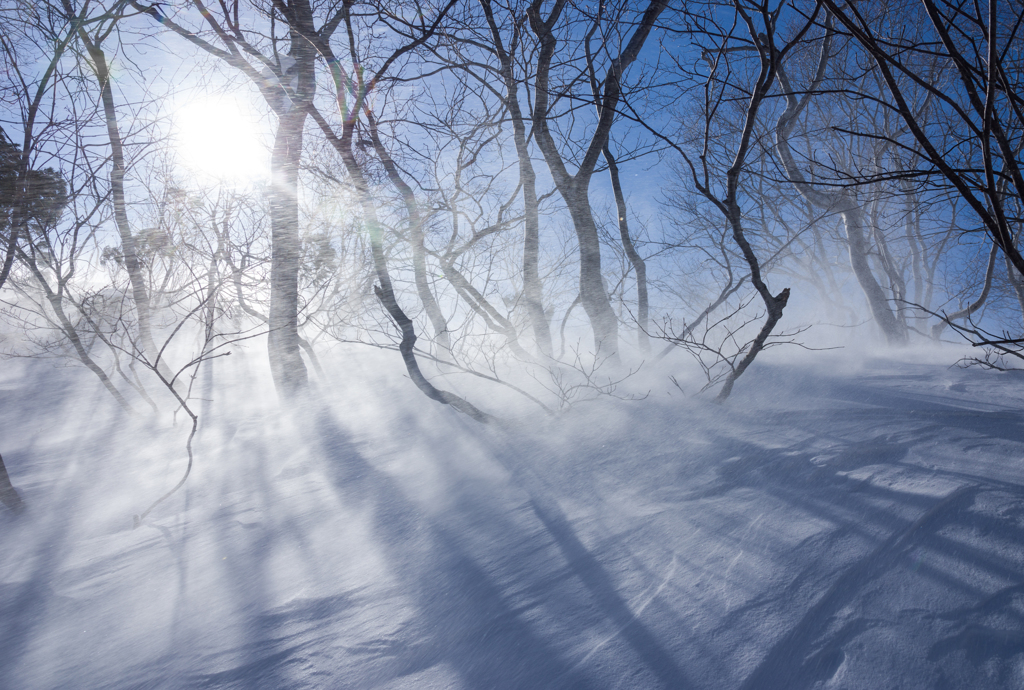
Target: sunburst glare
[[219, 139]]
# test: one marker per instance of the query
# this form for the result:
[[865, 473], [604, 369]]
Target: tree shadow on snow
[[947, 533], [493, 577]]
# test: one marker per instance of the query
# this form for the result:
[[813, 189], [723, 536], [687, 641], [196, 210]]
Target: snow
[[841, 522]]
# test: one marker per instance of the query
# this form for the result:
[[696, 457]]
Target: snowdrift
[[836, 524]]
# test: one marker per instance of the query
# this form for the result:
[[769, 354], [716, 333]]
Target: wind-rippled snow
[[832, 526]]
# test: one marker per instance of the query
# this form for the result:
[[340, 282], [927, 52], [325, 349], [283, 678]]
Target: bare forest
[[519, 217]]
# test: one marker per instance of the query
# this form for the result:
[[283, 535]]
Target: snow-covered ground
[[839, 523]]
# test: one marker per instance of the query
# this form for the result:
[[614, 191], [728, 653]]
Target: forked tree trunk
[[838, 201], [533, 292], [593, 294], [575, 188]]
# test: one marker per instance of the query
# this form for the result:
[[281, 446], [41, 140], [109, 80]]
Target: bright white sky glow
[[218, 138]]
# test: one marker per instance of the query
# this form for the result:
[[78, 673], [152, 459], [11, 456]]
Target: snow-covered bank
[[836, 525]]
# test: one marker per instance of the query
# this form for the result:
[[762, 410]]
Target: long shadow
[[31, 603], [895, 523], [607, 598], [1008, 426], [788, 664], [477, 626], [487, 619], [50, 521], [261, 659]]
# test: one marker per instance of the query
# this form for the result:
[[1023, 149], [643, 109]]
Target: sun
[[217, 138]]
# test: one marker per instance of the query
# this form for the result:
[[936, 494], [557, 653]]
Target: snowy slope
[[837, 524]]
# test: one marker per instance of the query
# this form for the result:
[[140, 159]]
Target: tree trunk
[[574, 188], [533, 292], [911, 224], [1016, 282], [892, 271], [140, 297], [853, 219], [639, 265], [416, 239], [533, 289], [283, 340], [593, 295], [838, 201]]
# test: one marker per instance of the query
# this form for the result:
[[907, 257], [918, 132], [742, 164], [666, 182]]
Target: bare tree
[[353, 87], [974, 147], [416, 240], [723, 55], [506, 52], [840, 200], [287, 82], [574, 188], [29, 196], [92, 38]]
